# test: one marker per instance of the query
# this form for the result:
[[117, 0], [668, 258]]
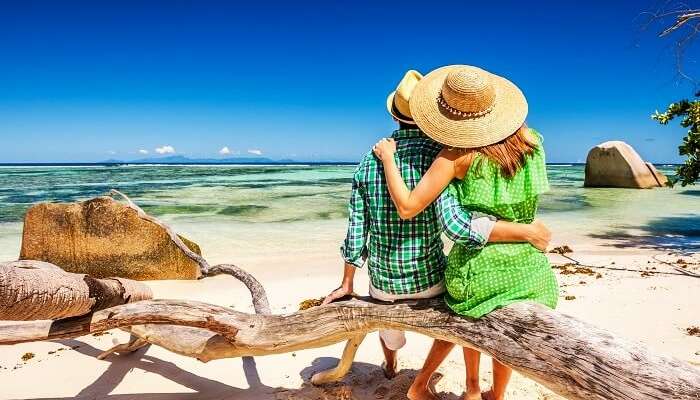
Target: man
[[405, 257]]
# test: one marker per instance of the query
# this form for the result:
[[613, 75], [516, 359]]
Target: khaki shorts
[[394, 339]]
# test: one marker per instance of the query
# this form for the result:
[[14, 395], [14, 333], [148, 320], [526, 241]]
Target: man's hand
[[540, 235], [339, 293]]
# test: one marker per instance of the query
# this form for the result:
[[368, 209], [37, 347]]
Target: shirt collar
[[408, 134]]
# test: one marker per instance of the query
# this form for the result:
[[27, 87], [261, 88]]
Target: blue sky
[[88, 81]]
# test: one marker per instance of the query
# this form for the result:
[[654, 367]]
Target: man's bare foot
[[390, 370], [420, 392], [473, 395]]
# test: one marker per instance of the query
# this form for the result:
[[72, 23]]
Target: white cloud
[[112, 152], [224, 151], [165, 150], [255, 151], [142, 151]]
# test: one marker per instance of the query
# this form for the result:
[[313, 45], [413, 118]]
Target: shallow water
[[274, 204]]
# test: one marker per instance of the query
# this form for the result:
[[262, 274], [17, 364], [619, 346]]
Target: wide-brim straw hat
[[397, 101], [464, 106]]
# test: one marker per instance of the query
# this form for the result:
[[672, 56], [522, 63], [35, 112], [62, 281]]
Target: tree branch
[[573, 358], [680, 21]]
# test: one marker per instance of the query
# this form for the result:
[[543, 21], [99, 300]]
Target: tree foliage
[[688, 111], [682, 26]]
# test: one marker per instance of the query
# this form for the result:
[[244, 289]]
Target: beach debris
[[617, 164], [574, 269], [27, 356], [310, 303], [104, 238], [562, 250], [680, 265], [693, 331]]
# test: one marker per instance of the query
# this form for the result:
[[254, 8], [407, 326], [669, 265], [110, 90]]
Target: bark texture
[[32, 290], [573, 358]]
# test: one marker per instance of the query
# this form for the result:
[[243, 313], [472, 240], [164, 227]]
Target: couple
[[462, 162]]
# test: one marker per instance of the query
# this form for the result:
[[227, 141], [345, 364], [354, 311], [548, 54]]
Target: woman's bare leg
[[471, 362], [501, 377], [438, 353]]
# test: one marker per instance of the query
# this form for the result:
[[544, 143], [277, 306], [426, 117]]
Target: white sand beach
[[651, 307], [139, 138]]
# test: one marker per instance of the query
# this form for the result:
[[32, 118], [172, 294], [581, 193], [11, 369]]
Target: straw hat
[[397, 101], [465, 106]]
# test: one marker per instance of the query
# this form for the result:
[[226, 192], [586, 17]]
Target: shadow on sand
[[677, 233], [365, 381]]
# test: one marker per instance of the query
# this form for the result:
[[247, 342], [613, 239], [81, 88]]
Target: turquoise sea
[[288, 205]]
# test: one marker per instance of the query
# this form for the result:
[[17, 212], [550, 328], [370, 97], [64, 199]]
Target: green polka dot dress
[[480, 281]]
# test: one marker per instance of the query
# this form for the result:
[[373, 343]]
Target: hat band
[[399, 114], [465, 114]]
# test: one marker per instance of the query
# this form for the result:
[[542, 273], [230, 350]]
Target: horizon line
[[261, 163]]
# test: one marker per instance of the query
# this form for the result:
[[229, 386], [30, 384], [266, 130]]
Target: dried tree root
[[131, 346], [339, 371]]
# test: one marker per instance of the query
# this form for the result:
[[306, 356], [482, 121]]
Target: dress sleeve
[[354, 248]]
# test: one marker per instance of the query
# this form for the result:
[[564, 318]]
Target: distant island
[[183, 160], [180, 159]]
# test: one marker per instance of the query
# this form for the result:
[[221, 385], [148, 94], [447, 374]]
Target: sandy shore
[[653, 308]]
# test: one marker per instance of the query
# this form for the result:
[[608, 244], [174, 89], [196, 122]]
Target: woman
[[500, 170]]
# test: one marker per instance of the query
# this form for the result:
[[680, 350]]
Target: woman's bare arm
[[411, 203]]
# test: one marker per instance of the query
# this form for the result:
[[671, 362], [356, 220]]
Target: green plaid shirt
[[405, 256]]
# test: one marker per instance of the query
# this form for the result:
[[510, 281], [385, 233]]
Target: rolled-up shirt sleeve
[[469, 229], [354, 248]]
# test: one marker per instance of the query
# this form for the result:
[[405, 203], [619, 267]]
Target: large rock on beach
[[103, 238], [661, 179], [617, 164]]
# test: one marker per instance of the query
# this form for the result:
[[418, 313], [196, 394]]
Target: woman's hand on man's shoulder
[[385, 148]]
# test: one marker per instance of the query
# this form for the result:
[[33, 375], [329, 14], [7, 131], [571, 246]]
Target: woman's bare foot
[[490, 396], [420, 392]]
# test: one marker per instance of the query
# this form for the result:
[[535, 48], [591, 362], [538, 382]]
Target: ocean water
[[248, 210]]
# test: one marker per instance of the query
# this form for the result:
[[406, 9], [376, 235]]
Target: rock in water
[[661, 179], [617, 164], [103, 238]]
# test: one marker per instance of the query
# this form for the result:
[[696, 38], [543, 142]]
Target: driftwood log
[[37, 290], [573, 358]]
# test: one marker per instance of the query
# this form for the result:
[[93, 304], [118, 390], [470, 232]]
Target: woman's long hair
[[510, 153]]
